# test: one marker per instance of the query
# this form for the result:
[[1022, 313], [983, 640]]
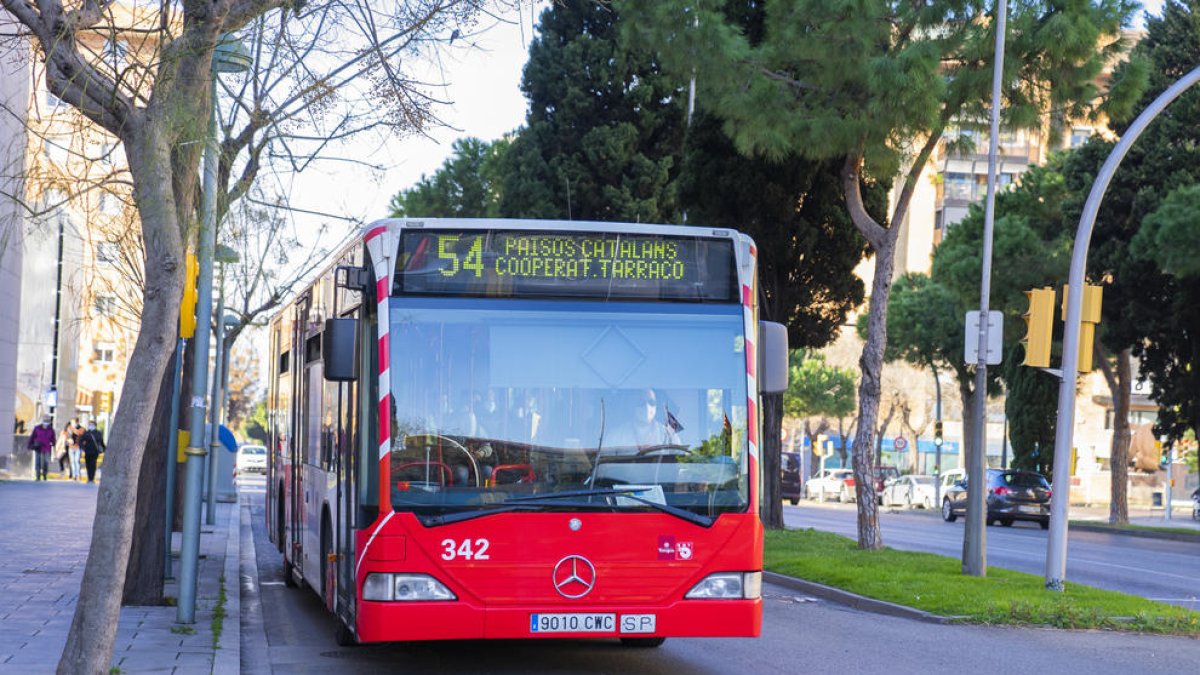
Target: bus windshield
[[497, 400]]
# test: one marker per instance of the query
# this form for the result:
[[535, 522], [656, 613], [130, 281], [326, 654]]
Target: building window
[[960, 186], [1136, 417], [108, 252], [116, 55], [105, 305], [55, 152], [103, 352], [110, 205], [1079, 136]]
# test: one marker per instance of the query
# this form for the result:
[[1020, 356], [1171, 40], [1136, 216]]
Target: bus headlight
[[387, 587], [728, 586]]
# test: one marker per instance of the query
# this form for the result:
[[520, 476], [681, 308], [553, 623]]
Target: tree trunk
[[869, 387], [144, 577], [771, 506], [1119, 386], [90, 641]]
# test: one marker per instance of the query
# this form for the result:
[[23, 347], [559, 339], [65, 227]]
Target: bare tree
[[156, 104]]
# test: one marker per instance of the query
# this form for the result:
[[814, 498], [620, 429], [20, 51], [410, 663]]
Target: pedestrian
[[62, 447], [73, 452], [92, 442], [41, 441]]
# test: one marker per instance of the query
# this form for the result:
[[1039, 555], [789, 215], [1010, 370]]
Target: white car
[[831, 483], [909, 491], [252, 459]]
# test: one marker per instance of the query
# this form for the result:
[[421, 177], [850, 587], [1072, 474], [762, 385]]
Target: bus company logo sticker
[[669, 549], [574, 577]]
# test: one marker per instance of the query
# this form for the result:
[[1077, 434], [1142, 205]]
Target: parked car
[[831, 482], [1196, 504], [886, 472], [251, 459], [790, 476], [909, 491], [1011, 496]]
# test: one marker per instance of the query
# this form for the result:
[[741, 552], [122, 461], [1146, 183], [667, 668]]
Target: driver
[[642, 427]]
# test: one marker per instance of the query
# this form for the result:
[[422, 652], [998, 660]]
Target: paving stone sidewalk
[[45, 531]]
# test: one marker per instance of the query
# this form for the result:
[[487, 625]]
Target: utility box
[[226, 460]]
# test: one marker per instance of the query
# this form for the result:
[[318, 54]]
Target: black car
[[1011, 496], [790, 471]]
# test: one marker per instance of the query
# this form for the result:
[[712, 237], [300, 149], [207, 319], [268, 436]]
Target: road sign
[[901, 443], [995, 338]]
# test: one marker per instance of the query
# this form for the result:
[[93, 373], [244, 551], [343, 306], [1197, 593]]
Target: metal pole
[[1170, 483], [937, 444], [1056, 546], [190, 553], [214, 442], [975, 531], [172, 451]]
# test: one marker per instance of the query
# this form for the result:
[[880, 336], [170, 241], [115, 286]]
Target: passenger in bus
[[642, 426]]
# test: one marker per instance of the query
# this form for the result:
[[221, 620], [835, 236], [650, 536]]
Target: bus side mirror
[[338, 350], [772, 357]]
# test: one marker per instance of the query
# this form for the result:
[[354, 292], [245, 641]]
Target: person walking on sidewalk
[[66, 440], [41, 441], [92, 442], [73, 452]]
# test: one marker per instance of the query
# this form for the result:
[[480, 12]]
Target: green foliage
[[816, 389], [467, 185], [1151, 299], [1031, 408], [793, 208], [1170, 235], [831, 78], [604, 126], [254, 426]]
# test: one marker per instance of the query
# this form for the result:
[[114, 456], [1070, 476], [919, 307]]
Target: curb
[[227, 657], [1144, 534], [853, 599]]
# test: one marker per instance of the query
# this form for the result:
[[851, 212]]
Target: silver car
[[831, 482], [909, 491]]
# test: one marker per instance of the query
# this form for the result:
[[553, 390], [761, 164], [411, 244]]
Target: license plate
[[573, 623], [1024, 508], [638, 623]]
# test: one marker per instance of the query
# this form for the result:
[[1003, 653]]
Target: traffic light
[[102, 401], [1039, 327], [187, 308], [937, 433], [1088, 318]]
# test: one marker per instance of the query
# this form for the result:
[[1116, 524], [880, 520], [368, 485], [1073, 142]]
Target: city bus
[[524, 429]]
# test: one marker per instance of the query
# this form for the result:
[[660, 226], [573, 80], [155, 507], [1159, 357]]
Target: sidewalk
[[44, 542]]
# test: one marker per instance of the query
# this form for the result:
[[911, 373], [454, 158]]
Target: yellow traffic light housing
[[187, 308], [1088, 318], [1039, 327]]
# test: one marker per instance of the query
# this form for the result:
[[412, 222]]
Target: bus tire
[[289, 574], [326, 550], [643, 642], [343, 635]]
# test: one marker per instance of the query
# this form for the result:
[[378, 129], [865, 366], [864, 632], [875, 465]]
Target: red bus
[[524, 429]]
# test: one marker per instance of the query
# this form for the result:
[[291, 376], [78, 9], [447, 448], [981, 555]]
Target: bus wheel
[[343, 635], [643, 643]]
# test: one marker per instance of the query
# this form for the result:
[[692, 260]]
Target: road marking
[[1129, 567]]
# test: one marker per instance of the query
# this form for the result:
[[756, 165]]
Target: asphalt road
[[800, 635], [1162, 570]]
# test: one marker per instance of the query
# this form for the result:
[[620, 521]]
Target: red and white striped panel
[[750, 318], [380, 244]]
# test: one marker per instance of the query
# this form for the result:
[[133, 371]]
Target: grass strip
[[1187, 531], [936, 584], [218, 618]]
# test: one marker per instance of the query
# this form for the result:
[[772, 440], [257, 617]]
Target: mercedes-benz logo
[[574, 577]]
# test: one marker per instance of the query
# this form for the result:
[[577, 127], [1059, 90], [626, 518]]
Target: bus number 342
[[453, 549]]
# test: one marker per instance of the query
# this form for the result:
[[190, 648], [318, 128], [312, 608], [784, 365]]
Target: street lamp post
[[229, 56], [224, 255]]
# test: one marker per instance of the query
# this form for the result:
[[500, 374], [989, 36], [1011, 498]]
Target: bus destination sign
[[566, 264]]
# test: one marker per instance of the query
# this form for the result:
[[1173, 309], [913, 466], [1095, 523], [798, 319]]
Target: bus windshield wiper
[[696, 518]]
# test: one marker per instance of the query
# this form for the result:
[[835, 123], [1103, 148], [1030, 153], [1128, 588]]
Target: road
[[799, 635], [1162, 570]]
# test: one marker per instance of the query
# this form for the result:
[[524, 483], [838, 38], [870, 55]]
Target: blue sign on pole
[[226, 438]]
